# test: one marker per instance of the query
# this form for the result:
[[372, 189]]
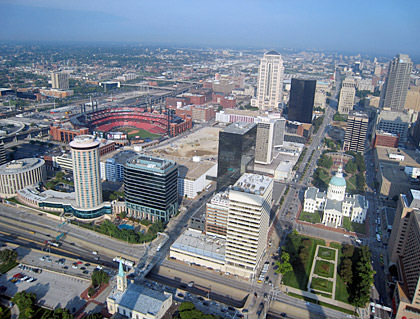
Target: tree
[[325, 161], [346, 271], [363, 279], [351, 167], [285, 266], [25, 302], [360, 181], [185, 306], [348, 250], [8, 256], [99, 277]]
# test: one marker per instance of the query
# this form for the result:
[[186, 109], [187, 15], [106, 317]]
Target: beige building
[[394, 170], [217, 211], [60, 80], [356, 129], [250, 202], [86, 171], [412, 101], [320, 99], [404, 253], [270, 82], [19, 174], [347, 93]]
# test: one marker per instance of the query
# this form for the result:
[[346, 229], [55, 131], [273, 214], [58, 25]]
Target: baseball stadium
[[135, 122]]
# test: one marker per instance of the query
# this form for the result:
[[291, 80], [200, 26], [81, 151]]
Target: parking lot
[[52, 289], [55, 263]]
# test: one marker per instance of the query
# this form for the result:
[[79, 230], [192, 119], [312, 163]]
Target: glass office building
[[151, 188], [236, 152], [301, 103]]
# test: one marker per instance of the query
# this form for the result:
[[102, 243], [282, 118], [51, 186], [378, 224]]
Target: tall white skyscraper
[[347, 93], [250, 201], [270, 82], [86, 172], [396, 86]]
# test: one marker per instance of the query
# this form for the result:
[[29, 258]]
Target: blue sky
[[371, 26]]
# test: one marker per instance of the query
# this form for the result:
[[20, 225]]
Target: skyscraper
[[347, 93], [236, 152], [357, 125], [151, 188], [250, 201], [60, 80], [270, 82], [270, 133], [404, 254], [86, 171], [301, 101], [395, 91], [3, 158]]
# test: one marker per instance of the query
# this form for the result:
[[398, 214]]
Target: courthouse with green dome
[[335, 203]]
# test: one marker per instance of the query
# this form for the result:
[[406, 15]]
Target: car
[[82, 268], [283, 314], [205, 303], [230, 308], [79, 262], [65, 267], [42, 258], [200, 298], [85, 272], [87, 264], [74, 266]]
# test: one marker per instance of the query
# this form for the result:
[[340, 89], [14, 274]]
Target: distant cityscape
[[162, 182]]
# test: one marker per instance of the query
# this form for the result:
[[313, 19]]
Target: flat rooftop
[[221, 198], [411, 158], [151, 163], [252, 183], [188, 169], [120, 156], [195, 242], [238, 128]]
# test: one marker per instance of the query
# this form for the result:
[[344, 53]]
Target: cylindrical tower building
[[86, 171]]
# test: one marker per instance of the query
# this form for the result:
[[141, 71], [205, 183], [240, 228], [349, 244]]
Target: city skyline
[[333, 26]]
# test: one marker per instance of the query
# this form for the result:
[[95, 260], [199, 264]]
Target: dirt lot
[[203, 143]]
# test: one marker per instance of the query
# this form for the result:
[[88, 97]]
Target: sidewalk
[[287, 289]]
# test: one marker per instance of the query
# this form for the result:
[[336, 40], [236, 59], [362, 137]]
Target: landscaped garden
[[326, 253], [322, 284], [324, 269], [301, 250]]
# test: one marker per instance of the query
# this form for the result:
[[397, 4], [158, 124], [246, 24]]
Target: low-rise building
[[336, 204], [136, 301]]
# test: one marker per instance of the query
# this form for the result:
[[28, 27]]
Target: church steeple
[[121, 279]]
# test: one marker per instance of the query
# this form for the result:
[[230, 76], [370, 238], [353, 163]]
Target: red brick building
[[227, 102], [106, 147], [386, 139], [178, 128], [66, 135]]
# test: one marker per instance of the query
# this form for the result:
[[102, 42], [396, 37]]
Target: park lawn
[[5, 267], [341, 292], [299, 277], [322, 284], [351, 184], [324, 269], [326, 253], [314, 218], [354, 227]]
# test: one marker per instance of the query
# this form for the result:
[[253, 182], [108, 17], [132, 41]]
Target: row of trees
[[8, 256], [357, 273], [128, 235], [317, 123], [187, 310], [26, 302]]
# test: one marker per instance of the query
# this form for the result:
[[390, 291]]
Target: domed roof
[[338, 179]]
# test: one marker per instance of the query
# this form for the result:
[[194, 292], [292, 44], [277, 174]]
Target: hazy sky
[[373, 26]]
